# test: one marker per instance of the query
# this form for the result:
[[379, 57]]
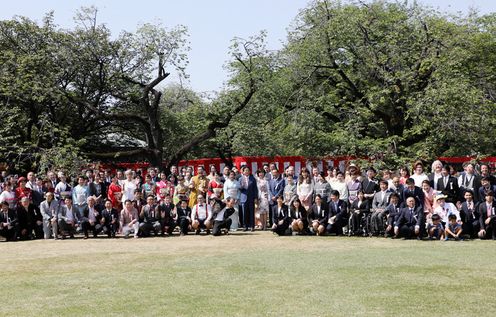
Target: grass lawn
[[254, 274]]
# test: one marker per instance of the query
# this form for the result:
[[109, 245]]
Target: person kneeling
[[129, 220], [436, 229], [299, 224], [202, 216], [410, 221], [151, 218], [280, 217], [221, 217], [453, 228], [319, 216]]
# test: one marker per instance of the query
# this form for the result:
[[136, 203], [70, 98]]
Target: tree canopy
[[389, 80]]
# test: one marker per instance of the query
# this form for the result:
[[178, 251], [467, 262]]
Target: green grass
[[248, 275]]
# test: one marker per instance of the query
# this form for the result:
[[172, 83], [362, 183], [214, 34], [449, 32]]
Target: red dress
[[22, 192], [115, 194]]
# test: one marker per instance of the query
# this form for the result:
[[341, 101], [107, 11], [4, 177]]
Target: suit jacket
[[483, 213], [483, 190], [416, 218], [276, 187], [27, 218], [249, 192], [417, 193], [364, 206], [469, 215], [63, 213], [378, 202], [49, 211], [313, 213], [476, 185], [276, 216], [399, 191], [227, 212], [370, 187], [183, 213], [301, 213], [11, 217], [166, 212], [150, 214], [109, 216], [340, 211], [393, 212], [450, 188]]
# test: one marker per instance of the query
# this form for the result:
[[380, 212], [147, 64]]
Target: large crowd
[[444, 204]]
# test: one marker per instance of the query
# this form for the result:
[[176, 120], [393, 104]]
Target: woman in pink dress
[[429, 199]]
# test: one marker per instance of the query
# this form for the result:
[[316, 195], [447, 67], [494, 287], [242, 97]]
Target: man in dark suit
[[411, 221], [8, 222], [370, 185], [151, 218], [281, 217], [30, 219], [183, 213], [392, 213], [276, 188], [110, 217], [448, 185], [413, 191], [249, 194], [485, 187], [318, 215], [166, 210], [469, 215], [397, 188], [338, 214], [221, 215], [487, 218]]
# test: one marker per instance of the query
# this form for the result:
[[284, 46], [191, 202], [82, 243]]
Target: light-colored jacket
[[50, 211]]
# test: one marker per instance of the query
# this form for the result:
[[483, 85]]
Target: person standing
[[248, 196]]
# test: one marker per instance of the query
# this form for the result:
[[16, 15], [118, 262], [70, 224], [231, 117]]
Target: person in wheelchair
[[359, 214]]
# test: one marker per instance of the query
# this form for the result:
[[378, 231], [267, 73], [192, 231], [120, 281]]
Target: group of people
[[444, 204]]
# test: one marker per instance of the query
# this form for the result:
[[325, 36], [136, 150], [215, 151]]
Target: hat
[[21, 179], [441, 197], [352, 165]]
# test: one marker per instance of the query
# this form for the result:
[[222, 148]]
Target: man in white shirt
[[444, 209], [202, 215], [68, 218]]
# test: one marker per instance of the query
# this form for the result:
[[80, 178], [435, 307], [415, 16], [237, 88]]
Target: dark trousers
[[337, 226], [407, 231], [356, 220], [168, 226], [471, 228], [9, 234], [218, 225], [248, 210], [183, 225], [147, 227], [95, 228], [271, 215]]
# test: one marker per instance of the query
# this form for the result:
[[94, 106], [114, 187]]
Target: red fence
[[257, 162]]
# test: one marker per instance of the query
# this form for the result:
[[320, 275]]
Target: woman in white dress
[[231, 189], [263, 199], [304, 189], [128, 187]]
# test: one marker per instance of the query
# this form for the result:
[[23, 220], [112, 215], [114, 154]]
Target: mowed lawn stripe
[[248, 275]]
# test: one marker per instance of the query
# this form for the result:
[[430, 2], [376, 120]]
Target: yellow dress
[[200, 187]]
